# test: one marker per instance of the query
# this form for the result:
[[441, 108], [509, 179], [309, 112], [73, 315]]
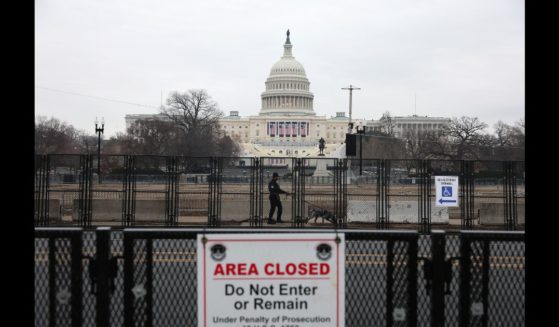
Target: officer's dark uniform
[[275, 201]]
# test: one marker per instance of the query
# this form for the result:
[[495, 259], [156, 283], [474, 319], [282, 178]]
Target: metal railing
[[469, 278], [170, 191]]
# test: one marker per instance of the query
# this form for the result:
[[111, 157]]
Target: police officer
[[275, 201]]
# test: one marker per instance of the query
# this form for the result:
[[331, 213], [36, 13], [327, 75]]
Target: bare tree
[[87, 143], [503, 134], [465, 134], [194, 111], [119, 144], [387, 124], [507, 143], [425, 144], [197, 115], [154, 137], [519, 133], [55, 136], [464, 139], [228, 147]]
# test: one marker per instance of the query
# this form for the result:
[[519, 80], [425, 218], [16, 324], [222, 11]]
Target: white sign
[[271, 280], [446, 191]]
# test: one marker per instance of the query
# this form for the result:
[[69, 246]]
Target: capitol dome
[[287, 66], [287, 87]]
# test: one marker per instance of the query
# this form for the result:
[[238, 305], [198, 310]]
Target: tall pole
[[415, 104], [360, 154], [361, 130], [99, 131], [350, 88]]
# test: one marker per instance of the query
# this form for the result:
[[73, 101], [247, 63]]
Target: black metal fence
[[136, 191], [147, 277]]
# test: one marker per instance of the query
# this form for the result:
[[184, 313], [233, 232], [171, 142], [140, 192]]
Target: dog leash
[[312, 204]]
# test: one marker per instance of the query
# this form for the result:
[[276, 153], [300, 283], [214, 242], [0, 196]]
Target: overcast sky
[[112, 58]]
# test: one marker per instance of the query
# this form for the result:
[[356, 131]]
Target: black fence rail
[[58, 277], [148, 277], [171, 191]]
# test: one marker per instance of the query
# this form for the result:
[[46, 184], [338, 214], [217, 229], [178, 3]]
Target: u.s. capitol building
[[287, 124]]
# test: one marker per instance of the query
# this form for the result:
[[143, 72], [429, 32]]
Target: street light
[[99, 131], [360, 130]]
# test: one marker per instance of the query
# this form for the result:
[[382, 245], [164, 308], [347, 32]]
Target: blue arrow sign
[[441, 201]]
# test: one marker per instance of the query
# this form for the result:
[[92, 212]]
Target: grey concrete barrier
[[54, 209], [400, 212], [232, 210], [111, 210], [494, 213]]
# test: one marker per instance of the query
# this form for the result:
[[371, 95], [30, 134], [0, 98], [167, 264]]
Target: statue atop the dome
[[287, 41]]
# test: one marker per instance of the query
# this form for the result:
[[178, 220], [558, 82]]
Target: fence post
[[172, 194], [389, 282], [424, 198], [85, 200], [254, 219], [340, 185], [509, 194], [129, 193], [437, 291], [467, 190], [298, 189], [412, 281], [42, 190], [149, 282], [485, 283], [465, 278], [52, 281], [128, 241], [76, 244], [382, 199], [214, 197], [102, 265]]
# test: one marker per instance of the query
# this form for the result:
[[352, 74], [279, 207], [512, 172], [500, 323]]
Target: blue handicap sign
[[447, 191]]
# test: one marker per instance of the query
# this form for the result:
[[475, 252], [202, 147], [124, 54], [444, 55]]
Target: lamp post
[[360, 130], [99, 131]]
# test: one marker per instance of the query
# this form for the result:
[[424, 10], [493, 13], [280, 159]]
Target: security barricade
[[148, 277]]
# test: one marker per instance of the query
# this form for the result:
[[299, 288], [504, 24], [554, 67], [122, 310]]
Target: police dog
[[321, 213]]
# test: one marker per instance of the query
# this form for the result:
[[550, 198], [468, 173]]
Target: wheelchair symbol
[[447, 191]]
